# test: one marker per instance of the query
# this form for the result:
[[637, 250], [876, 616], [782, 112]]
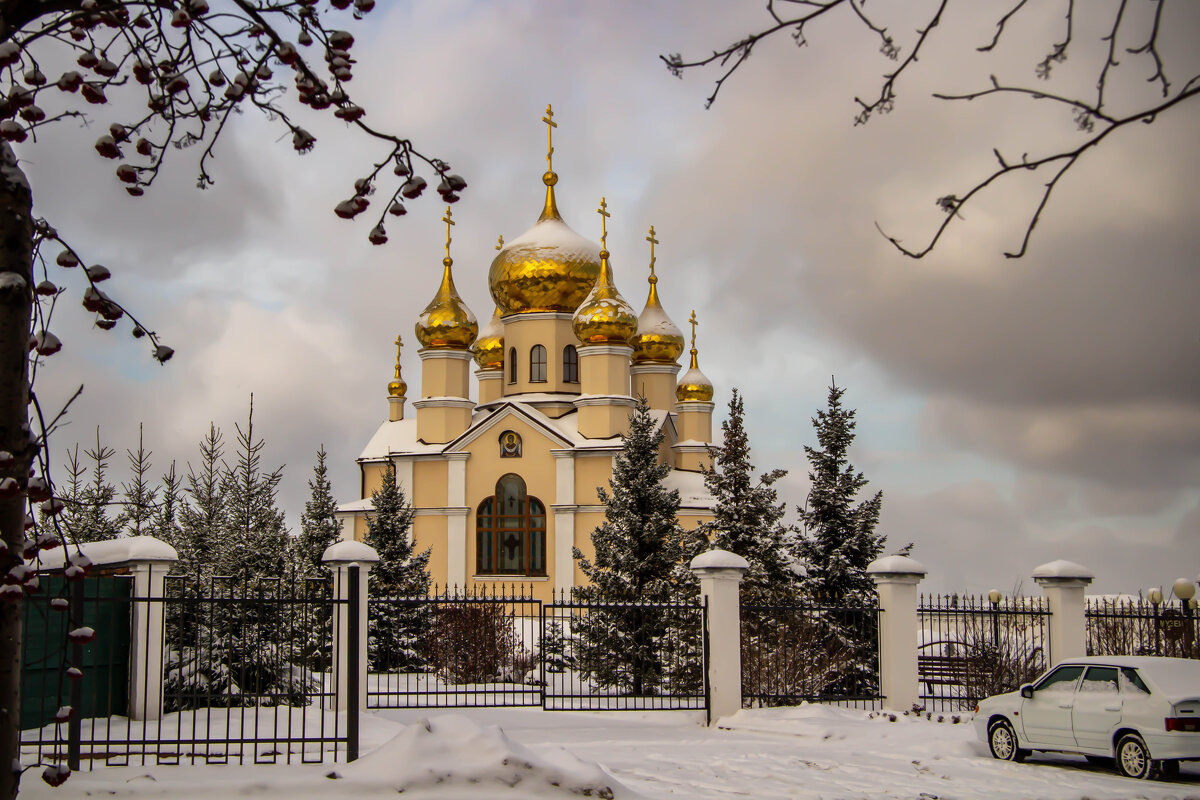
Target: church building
[[504, 485]]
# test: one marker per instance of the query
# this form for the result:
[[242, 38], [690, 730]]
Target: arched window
[[570, 364], [510, 531], [512, 365], [537, 364]]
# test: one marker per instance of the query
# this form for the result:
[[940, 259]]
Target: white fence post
[[720, 573], [896, 579], [1063, 583], [340, 557], [149, 562]]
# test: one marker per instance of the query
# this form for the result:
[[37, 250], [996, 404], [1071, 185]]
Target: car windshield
[[1061, 680]]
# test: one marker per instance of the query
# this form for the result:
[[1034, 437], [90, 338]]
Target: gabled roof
[[529, 414]]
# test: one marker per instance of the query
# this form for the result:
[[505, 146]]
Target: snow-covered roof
[[1063, 569], [113, 552], [692, 491], [350, 551], [557, 236], [896, 565], [399, 436], [365, 504], [719, 559]]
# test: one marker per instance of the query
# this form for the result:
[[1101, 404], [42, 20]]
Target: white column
[[896, 579], [564, 520], [404, 475], [456, 547], [720, 573], [146, 642], [1063, 583], [340, 557]]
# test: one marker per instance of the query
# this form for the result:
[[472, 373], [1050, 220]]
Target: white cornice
[[655, 369], [586, 350], [694, 407], [623, 400], [690, 448], [536, 315], [440, 352], [444, 402]]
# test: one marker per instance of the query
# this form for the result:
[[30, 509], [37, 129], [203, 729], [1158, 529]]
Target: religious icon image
[[510, 445]]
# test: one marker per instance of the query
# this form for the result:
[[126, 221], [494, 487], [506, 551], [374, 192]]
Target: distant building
[[505, 485]]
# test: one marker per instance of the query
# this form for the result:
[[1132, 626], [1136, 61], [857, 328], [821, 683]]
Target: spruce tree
[[747, 515], [838, 538], [71, 492], [640, 549], [93, 523], [319, 528], [396, 628], [253, 542], [164, 521], [139, 495], [201, 519]]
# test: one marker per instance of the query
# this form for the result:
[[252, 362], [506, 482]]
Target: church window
[[570, 364], [537, 364], [510, 445], [512, 365], [510, 531]]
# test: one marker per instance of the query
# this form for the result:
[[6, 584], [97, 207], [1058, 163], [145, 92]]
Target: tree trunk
[[16, 309]]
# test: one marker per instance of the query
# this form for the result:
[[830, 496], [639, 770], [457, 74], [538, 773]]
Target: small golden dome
[[396, 386], [604, 317], [489, 347], [694, 385], [658, 341], [446, 323]]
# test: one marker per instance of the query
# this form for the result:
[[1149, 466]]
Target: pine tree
[[319, 528], [396, 629], [201, 519], [93, 523], [139, 495], [253, 542], [72, 518], [747, 515], [838, 538], [164, 521], [640, 550]]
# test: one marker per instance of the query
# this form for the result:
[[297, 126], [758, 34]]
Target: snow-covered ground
[[805, 752]]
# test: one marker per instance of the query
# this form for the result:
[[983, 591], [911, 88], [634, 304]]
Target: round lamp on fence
[[994, 596], [1154, 595], [1184, 589]]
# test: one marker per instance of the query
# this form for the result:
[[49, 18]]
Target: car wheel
[[1003, 742], [1133, 759]]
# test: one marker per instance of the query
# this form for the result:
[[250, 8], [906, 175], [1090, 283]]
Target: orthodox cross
[[550, 126], [604, 215], [500, 242], [652, 242], [448, 219], [399, 344], [692, 320]]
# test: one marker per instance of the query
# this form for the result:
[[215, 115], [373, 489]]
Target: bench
[[942, 670]]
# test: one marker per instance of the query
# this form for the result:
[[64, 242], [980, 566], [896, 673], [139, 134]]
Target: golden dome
[[489, 347], [396, 386], [658, 341], [604, 317], [548, 268], [694, 385], [447, 323]]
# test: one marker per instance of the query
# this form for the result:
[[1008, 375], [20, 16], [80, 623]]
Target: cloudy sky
[[1012, 411]]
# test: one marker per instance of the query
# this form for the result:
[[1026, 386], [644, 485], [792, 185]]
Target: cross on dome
[[449, 220], [500, 242], [550, 126], [692, 319], [604, 215], [652, 241]]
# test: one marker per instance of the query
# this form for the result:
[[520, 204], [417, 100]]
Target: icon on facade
[[510, 445]]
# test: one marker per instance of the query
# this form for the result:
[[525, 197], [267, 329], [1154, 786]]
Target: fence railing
[[816, 651], [1132, 626], [972, 648], [245, 667]]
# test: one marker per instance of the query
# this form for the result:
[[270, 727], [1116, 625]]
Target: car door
[[1046, 717], [1097, 710]]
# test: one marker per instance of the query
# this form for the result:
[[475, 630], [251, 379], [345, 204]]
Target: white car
[[1142, 711]]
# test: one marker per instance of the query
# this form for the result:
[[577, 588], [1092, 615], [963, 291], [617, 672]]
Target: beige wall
[[430, 479], [552, 331], [430, 531]]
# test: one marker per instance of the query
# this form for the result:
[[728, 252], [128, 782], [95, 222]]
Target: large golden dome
[[604, 317], [548, 268], [446, 323], [489, 347]]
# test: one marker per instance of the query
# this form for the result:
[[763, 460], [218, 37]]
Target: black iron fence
[[1131, 626], [246, 674], [972, 648], [816, 651]]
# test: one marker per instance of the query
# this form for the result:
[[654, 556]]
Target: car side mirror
[[1027, 691]]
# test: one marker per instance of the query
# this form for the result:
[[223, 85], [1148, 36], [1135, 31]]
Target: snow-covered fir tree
[[139, 495], [396, 628], [640, 550], [202, 517], [92, 521], [164, 521], [319, 528], [747, 515], [253, 542], [71, 493], [837, 539]]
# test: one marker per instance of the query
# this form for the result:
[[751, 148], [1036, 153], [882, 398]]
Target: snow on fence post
[[340, 557], [1063, 583], [896, 579], [720, 573]]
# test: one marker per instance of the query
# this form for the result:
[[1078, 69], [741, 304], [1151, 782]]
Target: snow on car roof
[[1175, 677]]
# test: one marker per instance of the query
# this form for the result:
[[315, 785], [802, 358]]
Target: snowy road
[[807, 752]]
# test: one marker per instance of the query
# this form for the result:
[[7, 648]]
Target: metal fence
[[972, 648], [1131, 626], [247, 676], [454, 648], [816, 651]]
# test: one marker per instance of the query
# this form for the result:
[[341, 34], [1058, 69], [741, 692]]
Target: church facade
[[504, 485]]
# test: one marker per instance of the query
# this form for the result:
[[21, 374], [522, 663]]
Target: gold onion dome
[[489, 347], [658, 341], [694, 385], [396, 386], [446, 323], [604, 317], [549, 267]]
